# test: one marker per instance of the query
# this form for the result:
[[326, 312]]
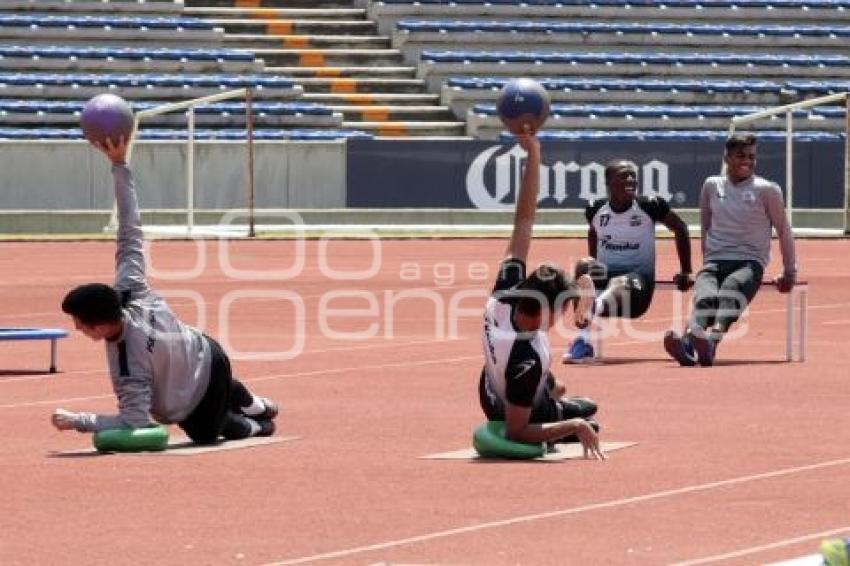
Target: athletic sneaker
[[579, 352], [267, 427], [704, 348], [270, 410], [680, 349]]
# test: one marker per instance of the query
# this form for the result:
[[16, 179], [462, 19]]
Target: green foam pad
[[152, 438], [489, 441]]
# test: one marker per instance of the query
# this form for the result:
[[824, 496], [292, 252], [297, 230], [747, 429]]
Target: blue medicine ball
[[523, 102]]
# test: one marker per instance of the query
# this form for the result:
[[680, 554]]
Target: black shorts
[[639, 296], [546, 409], [205, 424]]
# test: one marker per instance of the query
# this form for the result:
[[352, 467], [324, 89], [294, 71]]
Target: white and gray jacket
[[160, 367]]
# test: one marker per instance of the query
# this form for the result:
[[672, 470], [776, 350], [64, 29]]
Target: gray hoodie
[[160, 367]]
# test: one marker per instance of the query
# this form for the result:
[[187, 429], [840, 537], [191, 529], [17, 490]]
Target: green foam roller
[[836, 552], [489, 441], [147, 439]]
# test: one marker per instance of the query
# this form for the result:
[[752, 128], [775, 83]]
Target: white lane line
[[761, 548], [361, 368], [55, 401], [560, 513], [263, 378], [46, 375], [386, 344]]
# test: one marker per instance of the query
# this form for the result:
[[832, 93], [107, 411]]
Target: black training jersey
[[626, 240], [514, 362]]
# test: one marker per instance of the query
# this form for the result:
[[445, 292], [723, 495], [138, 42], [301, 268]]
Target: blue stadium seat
[[127, 80], [66, 52], [666, 135], [737, 59], [661, 111], [276, 134], [594, 84], [667, 3], [819, 87], [47, 20], [260, 108], [633, 28]]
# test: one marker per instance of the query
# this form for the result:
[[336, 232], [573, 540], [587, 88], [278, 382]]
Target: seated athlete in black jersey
[[621, 244], [516, 385]]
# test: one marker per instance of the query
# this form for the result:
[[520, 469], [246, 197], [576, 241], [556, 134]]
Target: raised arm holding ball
[[516, 385], [162, 370]]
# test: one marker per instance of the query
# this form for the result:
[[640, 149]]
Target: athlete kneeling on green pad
[[516, 385], [162, 369]]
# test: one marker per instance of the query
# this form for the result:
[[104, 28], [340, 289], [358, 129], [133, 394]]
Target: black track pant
[[722, 291], [218, 413]]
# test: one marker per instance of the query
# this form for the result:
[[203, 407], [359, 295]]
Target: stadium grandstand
[[417, 71]]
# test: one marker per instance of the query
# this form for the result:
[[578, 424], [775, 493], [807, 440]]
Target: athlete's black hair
[[739, 141], [612, 166], [93, 303], [547, 285]]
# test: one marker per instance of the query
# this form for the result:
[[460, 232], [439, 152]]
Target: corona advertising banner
[[486, 175]]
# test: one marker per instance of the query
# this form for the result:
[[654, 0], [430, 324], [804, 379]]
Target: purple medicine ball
[[107, 116], [521, 102]]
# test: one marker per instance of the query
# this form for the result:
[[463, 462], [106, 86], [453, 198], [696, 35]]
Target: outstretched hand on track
[[590, 442], [62, 419]]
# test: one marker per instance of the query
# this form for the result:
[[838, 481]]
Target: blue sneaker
[[680, 349], [579, 352]]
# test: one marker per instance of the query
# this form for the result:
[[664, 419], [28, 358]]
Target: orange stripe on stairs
[[392, 129], [311, 59], [330, 72], [377, 114], [359, 98], [296, 42], [343, 86], [280, 27]]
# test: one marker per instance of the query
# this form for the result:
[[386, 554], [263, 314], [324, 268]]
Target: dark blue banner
[[485, 175]]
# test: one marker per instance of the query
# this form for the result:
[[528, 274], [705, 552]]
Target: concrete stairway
[[336, 54]]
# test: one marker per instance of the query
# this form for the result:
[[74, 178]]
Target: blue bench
[[651, 3], [218, 108], [660, 111], [52, 334], [599, 58], [622, 28], [819, 87], [665, 135], [115, 22], [593, 84], [131, 53], [179, 134], [144, 80]]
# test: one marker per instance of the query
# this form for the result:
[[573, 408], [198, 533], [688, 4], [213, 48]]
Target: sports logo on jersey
[[604, 219], [635, 220], [748, 197], [524, 368], [608, 243]]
